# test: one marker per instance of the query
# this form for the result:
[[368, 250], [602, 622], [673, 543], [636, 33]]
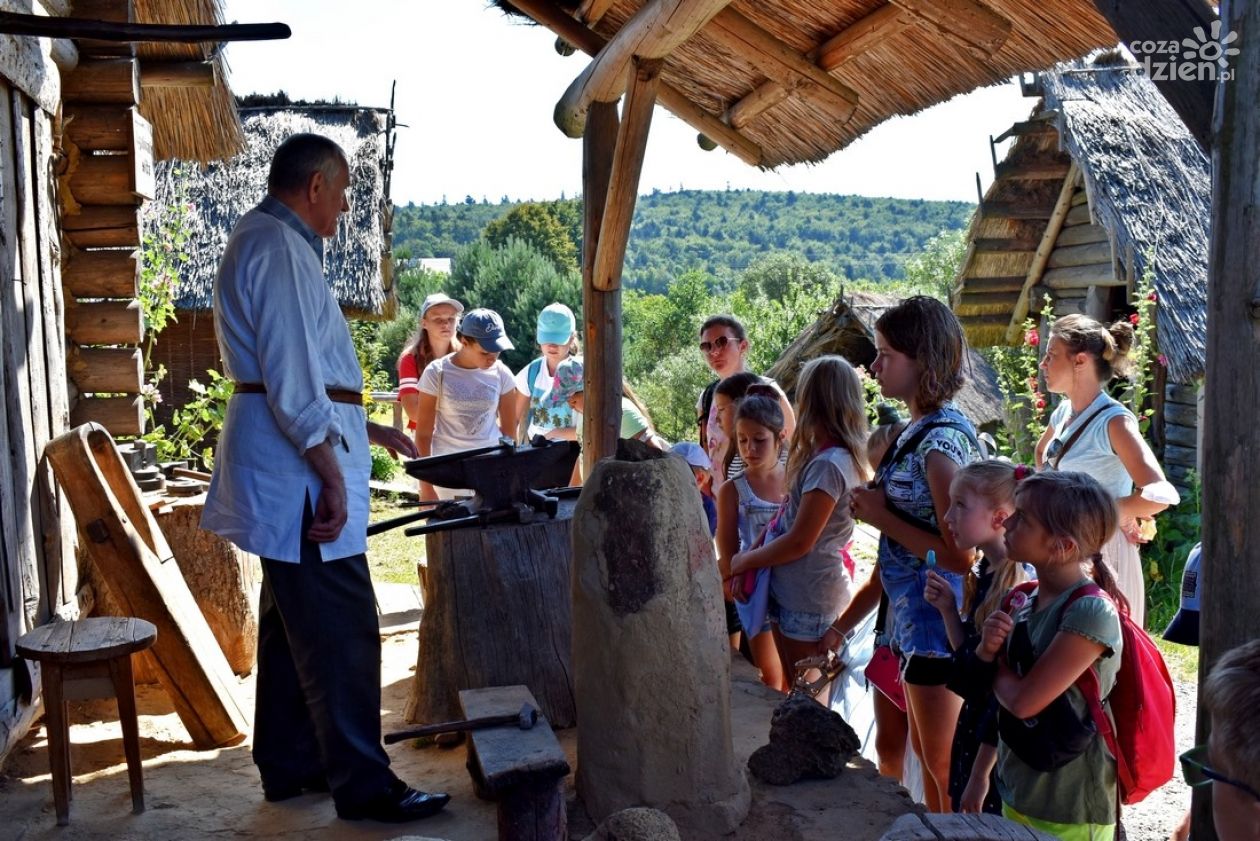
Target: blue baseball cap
[[693, 454], [556, 324], [487, 328], [1184, 627]]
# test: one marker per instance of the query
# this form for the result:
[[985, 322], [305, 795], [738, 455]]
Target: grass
[[392, 556], [1182, 660]]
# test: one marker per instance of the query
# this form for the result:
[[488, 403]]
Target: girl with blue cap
[[538, 403]]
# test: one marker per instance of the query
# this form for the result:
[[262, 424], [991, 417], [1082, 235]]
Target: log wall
[[38, 570], [187, 348]]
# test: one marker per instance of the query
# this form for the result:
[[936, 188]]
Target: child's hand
[[972, 800], [996, 629], [865, 503], [738, 563], [939, 594], [735, 587]]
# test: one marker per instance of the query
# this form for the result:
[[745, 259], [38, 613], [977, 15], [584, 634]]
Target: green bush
[[1164, 558], [671, 390], [383, 464]]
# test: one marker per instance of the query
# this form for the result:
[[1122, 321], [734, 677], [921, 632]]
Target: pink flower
[[1163, 360], [1152, 297], [1032, 338], [1041, 402], [1133, 319]]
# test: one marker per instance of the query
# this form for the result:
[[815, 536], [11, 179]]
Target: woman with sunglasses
[[1093, 433], [724, 346]]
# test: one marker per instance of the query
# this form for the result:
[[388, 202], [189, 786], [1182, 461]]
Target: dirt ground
[[215, 794]]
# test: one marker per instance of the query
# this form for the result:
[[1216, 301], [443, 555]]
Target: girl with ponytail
[[1054, 772]]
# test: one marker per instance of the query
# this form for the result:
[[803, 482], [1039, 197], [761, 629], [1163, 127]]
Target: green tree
[[540, 226], [933, 270], [772, 277]]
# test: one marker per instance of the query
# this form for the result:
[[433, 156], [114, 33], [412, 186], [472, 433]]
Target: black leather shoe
[[400, 804], [275, 791]]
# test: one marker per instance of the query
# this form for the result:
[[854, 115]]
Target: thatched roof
[[1142, 189], [191, 123], [1150, 185], [901, 63], [848, 329], [217, 195]]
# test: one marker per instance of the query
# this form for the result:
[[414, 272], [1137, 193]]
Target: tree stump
[[497, 612]]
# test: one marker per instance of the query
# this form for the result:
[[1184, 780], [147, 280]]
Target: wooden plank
[[111, 11], [103, 226], [1078, 215], [507, 753], [1033, 170], [104, 179], [601, 311], [1015, 210], [126, 545], [106, 273], [27, 65], [1082, 235], [969, 24], [106, 81], [119, 415], [106, 369], [1079, 277], [1079, 255], [1025, 128], [177, 74], [98, 128], [1187, 416], [1079, 197], [653, 32], [1005, 245], [1006, 283], [781, 63], [1182, 436], [15, 545], [984, 299], [627, 165], [710, 126], [1177, 454], [1186, 393], [118, 322]]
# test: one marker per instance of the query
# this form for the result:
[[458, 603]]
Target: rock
[[636, 824], [650, 654], [807, 741]]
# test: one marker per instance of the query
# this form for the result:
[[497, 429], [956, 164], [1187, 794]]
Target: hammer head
[[528, 717]]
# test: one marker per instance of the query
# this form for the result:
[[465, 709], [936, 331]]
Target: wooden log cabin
[[1102, 184], [81, 122], [207, 201]]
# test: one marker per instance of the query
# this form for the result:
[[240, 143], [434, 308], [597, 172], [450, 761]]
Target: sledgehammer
[[525, 719]]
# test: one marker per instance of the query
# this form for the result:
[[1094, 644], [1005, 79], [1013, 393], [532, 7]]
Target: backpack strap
[[893, 455], [1080, 430]]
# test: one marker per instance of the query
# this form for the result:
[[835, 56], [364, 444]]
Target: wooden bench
[[960, 828], [522, 770], [89, 658]]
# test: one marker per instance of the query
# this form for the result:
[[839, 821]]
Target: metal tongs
[[829, 666]]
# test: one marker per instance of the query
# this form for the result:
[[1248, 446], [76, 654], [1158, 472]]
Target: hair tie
[[1022, 472]]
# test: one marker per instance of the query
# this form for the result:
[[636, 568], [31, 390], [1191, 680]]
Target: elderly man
[[291, 485]]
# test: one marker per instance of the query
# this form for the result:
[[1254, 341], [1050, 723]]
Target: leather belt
[[336, 395]]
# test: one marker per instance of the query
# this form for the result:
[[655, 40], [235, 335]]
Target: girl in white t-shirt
[[467, 399]]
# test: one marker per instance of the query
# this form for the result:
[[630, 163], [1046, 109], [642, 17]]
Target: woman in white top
[[1091, 433], [467, 399]]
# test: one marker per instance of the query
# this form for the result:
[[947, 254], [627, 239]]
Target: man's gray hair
[[300, 157]]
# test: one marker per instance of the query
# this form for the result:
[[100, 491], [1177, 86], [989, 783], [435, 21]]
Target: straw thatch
[[1147, 186], [193, 124], [217, 195], [911, 69], [1150, 185], [847, 328]]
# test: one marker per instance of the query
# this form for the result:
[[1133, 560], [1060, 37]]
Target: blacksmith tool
[[525, 720], [829, 666]]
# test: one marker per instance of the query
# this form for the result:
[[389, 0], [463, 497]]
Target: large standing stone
[[650, 655]]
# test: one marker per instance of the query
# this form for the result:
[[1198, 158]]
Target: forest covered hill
[[720, 232]]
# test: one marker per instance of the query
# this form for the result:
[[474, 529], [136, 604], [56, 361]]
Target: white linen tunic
[[279, 324]]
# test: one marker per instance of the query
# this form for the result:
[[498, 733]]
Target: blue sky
[[476, 92]]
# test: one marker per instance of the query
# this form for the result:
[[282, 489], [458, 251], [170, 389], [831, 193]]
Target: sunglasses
[[717, 345], [1198, 773]]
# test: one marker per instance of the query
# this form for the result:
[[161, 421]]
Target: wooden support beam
[[591, 11], [601, 311], [675, 100], [106, 370], [1164, 21], [177, 74], [1062, 206], [101, 274], [117, 322], [627, 165], [877, 27], [109, 81], [103, 226], [653, 32], [110, 11], [797, 74], [54, 27], [119, 415], [968, 23]]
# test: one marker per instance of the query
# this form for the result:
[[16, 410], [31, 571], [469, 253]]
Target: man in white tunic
[[291, 485]]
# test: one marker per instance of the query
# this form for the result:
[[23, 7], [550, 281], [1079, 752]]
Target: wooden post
[[601, 311], [1231, 497]]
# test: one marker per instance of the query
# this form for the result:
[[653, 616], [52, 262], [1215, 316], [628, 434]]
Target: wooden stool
[[90, 658]]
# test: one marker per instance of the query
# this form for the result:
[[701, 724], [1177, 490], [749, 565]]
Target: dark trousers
[[318, 703]]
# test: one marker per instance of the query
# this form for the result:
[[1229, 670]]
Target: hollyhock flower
[[1152, 297], [1032, 337], [1163, 360], [1041, 403], [1133, 319]]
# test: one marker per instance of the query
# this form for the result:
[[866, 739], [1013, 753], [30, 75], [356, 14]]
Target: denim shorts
[[798, 625]]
